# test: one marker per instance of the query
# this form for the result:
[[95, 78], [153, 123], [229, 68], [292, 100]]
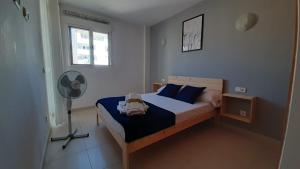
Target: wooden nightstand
[[238, 107], [156, 86]]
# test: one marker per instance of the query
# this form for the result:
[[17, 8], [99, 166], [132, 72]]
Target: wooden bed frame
[[128, 148]]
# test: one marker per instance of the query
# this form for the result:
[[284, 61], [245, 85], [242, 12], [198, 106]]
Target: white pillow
[[160, 89], [211, 96]]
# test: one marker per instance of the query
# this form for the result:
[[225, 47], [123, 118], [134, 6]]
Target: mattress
[[182, 110]]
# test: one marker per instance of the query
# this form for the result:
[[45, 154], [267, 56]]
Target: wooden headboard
[[216, 84]]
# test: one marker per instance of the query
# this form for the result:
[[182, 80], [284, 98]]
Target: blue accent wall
[[259, 59]]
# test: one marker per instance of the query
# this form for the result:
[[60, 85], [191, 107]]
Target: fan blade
[[65, 81], [75, 93], [80, 78]]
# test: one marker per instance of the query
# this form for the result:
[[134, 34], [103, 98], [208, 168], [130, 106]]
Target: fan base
[[69, 138]]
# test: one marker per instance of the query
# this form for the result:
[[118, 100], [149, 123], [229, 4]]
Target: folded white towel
[[135, 108], [133, 105]]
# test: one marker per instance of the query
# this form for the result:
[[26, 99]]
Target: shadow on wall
[[264, 118]]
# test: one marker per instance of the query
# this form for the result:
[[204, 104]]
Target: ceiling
[[146, 12]]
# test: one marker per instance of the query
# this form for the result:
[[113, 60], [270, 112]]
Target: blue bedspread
[[136, 127]]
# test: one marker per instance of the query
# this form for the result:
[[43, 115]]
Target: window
[[88, 47]]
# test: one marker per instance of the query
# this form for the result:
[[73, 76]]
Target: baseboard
[[45, 149], [82, 108]]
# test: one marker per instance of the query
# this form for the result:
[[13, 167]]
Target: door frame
[[48, 60], [296, 50]]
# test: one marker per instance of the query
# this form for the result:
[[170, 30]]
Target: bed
[[184, 115]]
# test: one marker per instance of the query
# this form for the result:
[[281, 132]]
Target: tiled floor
[[204, 146]]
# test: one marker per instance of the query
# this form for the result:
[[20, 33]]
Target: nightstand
[[156, 86], [238, 107]]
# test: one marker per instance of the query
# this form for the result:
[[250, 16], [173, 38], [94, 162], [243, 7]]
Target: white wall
[[147, 60], [126, 74], [290, 158], [23, 102]]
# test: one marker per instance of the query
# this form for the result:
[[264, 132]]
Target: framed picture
[[192, 33]]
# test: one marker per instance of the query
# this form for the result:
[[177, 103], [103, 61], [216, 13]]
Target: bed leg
[[97, 119], [125, 158]]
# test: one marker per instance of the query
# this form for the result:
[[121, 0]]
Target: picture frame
[[192, 34]]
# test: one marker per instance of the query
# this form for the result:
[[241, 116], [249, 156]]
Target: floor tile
[[203, 146], [104, 156], [72, 161], [99, 135], [55, 151], [115, 166]]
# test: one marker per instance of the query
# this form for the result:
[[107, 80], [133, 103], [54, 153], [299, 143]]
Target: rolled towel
[[133, 108]]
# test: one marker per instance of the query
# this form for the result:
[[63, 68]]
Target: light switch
[[240, 89]]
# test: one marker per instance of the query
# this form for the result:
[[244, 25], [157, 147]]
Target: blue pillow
[[189, 94], [170, 90]]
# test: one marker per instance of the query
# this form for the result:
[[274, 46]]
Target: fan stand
[[72, 135]]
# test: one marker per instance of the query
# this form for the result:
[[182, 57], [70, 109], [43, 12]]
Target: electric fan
[[71, 85]]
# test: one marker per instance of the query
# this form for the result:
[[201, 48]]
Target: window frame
[[91, 42]]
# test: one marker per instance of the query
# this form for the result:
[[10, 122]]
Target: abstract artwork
[[192, 34]]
